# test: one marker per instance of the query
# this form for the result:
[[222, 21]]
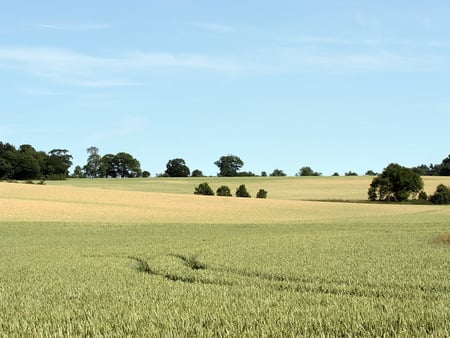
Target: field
[[148, 258]]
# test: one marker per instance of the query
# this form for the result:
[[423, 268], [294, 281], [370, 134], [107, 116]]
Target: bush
[[204, 189], [423, 196], [261, 194], [223, 191], [441, 196], [197, 173], [242, 191]]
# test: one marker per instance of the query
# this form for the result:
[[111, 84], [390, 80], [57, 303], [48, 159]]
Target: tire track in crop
[[200, 273]]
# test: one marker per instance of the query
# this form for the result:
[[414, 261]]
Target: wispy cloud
[[42, 92], [131, 125], [73, 27], [380, 60], [80, 69], [367, 42], [210, 26]]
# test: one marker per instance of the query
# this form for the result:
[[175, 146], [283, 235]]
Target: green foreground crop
[[170, 264]]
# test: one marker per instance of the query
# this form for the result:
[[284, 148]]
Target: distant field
[[291, 188], [146, 257]]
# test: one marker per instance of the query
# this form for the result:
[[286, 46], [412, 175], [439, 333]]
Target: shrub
[[242, 191], [441, 196], [223, 191], [204, 189], [197, 173], [261, 194], [423, 196]]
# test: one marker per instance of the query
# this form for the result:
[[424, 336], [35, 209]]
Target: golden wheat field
[[68, 203], [147, 257]]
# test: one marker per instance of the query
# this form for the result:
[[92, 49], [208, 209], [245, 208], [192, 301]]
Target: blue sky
[[334, 85]]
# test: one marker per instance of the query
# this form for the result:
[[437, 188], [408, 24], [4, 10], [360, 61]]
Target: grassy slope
[[71, 254], [292, 188]]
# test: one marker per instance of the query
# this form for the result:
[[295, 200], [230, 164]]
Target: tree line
[[26, 163]]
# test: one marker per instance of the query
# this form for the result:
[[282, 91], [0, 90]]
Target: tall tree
[[8, 160], [177, 168], [58, 163], [30, 163], [229, 165], [94, 162]]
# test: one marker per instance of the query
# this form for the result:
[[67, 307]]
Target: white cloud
[[73, 27], [79, 69]]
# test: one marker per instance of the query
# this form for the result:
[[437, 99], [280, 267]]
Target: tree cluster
[[442, 169], [397, 184], [119, 165], [26, 163], [241, 191]]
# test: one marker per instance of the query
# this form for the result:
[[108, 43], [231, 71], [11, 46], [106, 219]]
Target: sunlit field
[[147, 257]]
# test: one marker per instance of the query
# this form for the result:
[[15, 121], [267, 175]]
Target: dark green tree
[[8, 161], [57, 165], [242, 191], [145, 174], [441, 195], [395, 183], [78, 172], [229, 165], [278, 172], [30, 163], [106, 167], [444, 169], [94, 162], [204, 189], [197, 173], [126, 165], [177, 168], [307, 171], [223, 191]]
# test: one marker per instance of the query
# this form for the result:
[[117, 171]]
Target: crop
[[112, 261]]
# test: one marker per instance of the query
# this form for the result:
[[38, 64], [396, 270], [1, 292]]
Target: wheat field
[[149, 258]]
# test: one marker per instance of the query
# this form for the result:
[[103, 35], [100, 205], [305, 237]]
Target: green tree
[[30, 163], [78, 172], [278, 172], [58, 163], [126, 165], [229, 165], [197, 173], [94, 163], [145, 174], [441, 195], [242, 191], [177, 168], [307, 171], [223, 191], [8, 160], [395, 183], [444, 169], [351, 173], [204, 189], [106, 167]]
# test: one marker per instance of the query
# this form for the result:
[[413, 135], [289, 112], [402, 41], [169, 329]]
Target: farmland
[[147, 257]]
